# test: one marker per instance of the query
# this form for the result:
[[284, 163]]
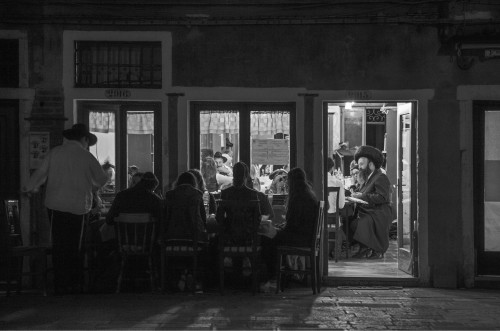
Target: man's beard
[[364, 173]]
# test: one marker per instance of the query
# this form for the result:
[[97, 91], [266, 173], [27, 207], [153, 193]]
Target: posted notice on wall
[[39, 148], [270, 151]]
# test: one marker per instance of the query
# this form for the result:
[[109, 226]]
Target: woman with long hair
[[301, 211], [208, 198], [209, 173]]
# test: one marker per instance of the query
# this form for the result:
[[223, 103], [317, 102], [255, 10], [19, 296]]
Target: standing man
[[374, 218], [72, 173]]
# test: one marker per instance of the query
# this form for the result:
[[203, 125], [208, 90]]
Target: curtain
[[266, 123], [101, 121], [141, 123], [137, 123], [218, 122]]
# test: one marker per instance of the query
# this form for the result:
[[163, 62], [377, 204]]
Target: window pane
[[491, 182], [353, 127], [270, 150], [118, 64], [219, 147], [140, 139], [102, 124]]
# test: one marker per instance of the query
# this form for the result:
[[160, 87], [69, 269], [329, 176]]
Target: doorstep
[[492, 282], [370, 281]]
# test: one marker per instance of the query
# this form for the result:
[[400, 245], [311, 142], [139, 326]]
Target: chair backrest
[[238, 222], [182, 220], [316, 240], [333, 199], [279, 199], [136, 232]]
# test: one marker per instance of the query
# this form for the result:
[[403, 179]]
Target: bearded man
[[371, 225]]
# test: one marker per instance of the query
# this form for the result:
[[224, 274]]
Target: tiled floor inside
[[386, 267]]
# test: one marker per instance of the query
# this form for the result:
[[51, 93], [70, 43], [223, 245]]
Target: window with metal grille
[[9, 63], [118, 64]]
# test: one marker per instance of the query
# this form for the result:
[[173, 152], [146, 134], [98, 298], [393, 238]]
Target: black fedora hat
[[78, 131]]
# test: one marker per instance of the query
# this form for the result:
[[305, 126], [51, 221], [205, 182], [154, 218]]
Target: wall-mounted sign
[[116, 93], [271, 151], [39, 148], [359, 95]]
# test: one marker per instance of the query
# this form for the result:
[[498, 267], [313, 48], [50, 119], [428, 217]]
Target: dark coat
[[135, 200], [184, 214], [300, 217], [245, 193], [375, 218]]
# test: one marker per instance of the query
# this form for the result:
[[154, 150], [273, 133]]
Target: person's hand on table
[[357, 195]]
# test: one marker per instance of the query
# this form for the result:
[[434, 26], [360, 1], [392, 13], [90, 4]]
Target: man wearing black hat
[[72, 174], [371, 227]]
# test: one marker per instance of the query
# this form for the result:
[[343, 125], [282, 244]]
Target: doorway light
[[348, 105]]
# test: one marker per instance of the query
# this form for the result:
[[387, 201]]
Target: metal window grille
[[108, 64]]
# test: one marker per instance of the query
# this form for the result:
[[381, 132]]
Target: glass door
[[129, 140], [406, 211], [259, 134], [487, 187]]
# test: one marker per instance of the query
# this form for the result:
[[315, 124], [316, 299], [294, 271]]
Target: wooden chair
[[171, 247], [313, 252], [238, 226], [333, 225], [136, 234], [12, 250], [278, 204]]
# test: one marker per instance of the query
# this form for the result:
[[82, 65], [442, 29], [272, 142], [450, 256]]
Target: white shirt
[[335, 182], [72, 173]]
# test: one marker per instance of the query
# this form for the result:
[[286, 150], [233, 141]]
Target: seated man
[[371, 226], [222, 167], [137, 199]]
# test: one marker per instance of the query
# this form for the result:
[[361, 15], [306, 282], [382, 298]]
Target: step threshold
[[370, 281]]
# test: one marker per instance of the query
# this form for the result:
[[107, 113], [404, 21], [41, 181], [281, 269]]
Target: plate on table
[[356, 200]]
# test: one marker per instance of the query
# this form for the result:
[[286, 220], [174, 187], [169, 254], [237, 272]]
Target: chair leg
[[253, 261], [151, 273], [313, 273], [162, 271], [44, 273], [337, 240], [221, 274], [20, 273], [318, 275], [195, 272], [278, 273], [120, 276]]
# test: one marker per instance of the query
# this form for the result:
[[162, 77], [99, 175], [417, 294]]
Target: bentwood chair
[[192, 247], [12, 250], [136, 234], [238, 223], [313, 252]]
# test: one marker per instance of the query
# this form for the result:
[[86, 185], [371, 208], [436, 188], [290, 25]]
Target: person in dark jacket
[[301, 211], [184, 199], [138, 199], [371, 226]]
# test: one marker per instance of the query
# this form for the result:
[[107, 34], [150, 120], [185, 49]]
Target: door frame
[[484, 260], [414, 179], [408, 259], [243, 107]]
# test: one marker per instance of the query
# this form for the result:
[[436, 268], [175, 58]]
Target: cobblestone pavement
[[335, 308]]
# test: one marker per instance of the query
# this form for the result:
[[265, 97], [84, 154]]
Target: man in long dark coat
[[371, 226]]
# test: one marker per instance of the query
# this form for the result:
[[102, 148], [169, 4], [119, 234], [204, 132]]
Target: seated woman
[[300, 215], [184, 201], [200, 185], [209, 173], [178, 202]]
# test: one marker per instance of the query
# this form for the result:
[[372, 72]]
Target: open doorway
[[390, 127]]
